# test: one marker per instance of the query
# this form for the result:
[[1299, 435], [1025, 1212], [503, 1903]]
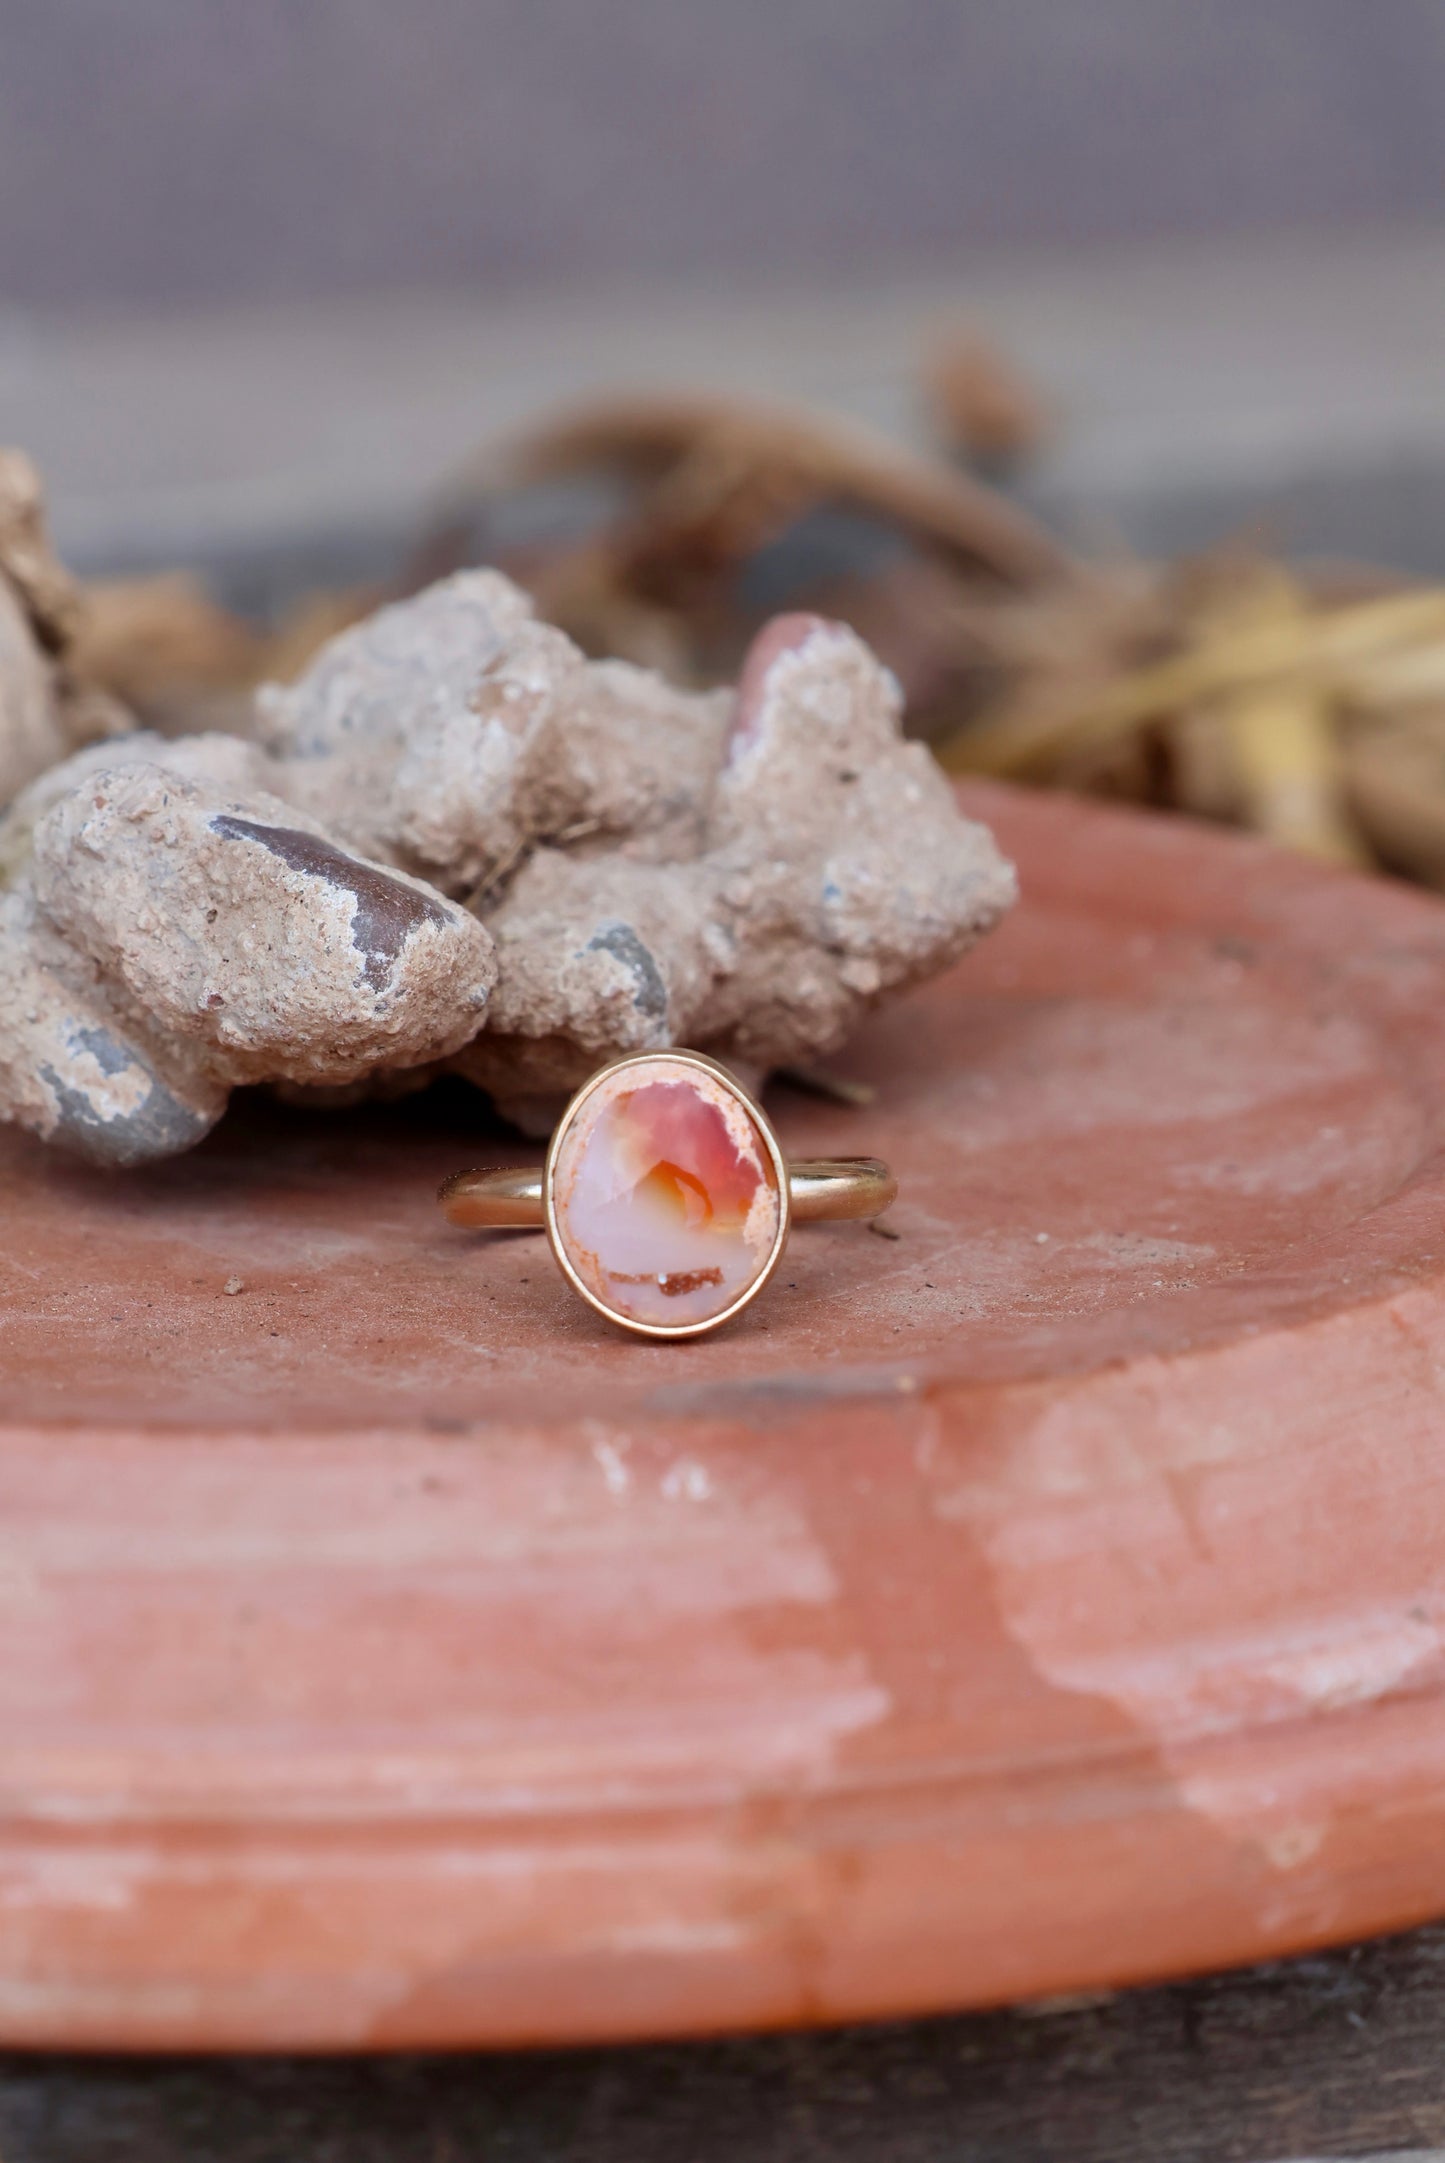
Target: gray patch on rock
[[386, 912], [622, 942], [110, 1057], [157, 1127]]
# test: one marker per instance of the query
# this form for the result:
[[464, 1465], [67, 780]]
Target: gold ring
[[665, 1196]]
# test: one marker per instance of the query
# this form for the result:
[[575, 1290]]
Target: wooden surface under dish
[[1048, 1597]]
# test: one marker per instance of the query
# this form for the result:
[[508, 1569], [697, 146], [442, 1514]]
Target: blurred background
[[1165, 282], [185, 151]]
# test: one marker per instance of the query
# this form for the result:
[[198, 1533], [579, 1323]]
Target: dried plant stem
[[1323, 650], [1285, 746]]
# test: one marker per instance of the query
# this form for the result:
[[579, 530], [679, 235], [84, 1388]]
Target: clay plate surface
[[1050, 1596]]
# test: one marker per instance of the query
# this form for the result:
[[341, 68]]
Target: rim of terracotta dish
[[755, 1112]]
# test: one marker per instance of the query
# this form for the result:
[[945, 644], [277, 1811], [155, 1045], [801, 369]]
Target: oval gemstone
[[664, 1196]]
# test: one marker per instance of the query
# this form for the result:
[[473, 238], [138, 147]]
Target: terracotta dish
[[1048, 1596]]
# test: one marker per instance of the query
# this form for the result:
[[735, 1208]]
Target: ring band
[[665, 1196], [820, 1190]]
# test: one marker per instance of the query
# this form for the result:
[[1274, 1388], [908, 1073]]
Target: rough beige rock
[[45, 709], [46, 591], [167, 937], [31, 735], [453, 802]]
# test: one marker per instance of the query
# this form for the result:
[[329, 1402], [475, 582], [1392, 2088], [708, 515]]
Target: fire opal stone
[[665, 1199]]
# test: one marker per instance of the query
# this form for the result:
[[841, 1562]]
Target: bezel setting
[[661, 1062]]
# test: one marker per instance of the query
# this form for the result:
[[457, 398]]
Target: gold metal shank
[[825, 1189], [821, 1189], [484, 1200]]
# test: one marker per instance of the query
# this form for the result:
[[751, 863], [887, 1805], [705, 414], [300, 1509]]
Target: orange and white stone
[[665, 1198]]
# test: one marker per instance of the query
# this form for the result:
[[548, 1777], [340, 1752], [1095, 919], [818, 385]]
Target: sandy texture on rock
[[458, 842], [169, 937], [45, 710]]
